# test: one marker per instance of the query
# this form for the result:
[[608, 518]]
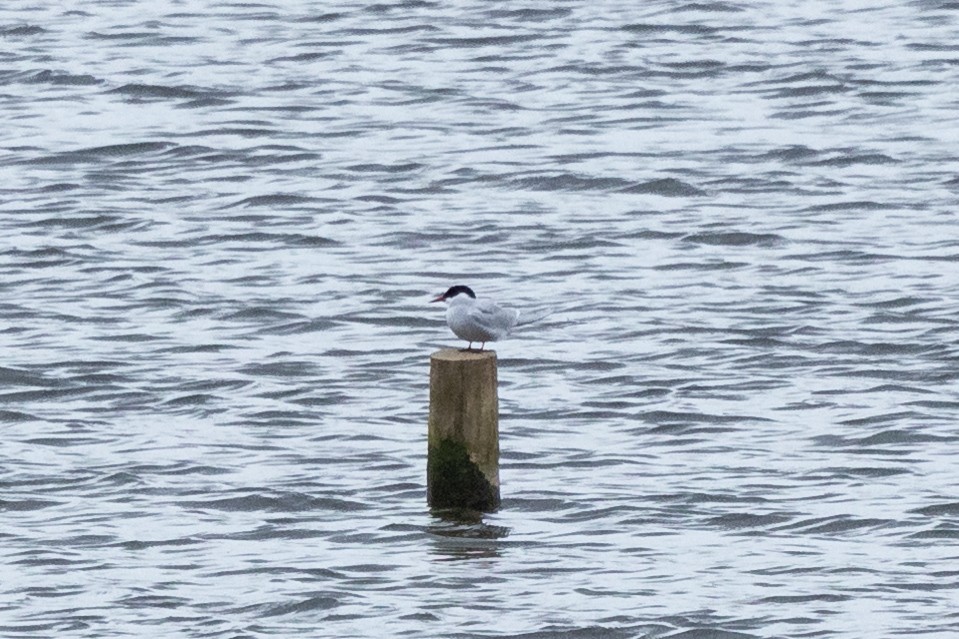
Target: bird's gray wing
[[494, 319]]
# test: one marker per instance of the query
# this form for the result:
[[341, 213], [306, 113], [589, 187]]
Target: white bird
[[476, 320]]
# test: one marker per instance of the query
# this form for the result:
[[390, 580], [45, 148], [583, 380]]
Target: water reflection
[[461, 534]]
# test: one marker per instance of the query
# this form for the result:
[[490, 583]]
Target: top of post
[[460, 355]]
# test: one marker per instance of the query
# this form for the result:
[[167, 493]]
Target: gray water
[[221, 227]]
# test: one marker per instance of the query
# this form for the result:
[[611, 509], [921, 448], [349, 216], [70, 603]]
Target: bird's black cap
[[453, 291]]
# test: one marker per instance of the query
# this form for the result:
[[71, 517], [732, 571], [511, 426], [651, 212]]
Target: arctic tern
[[477, 320]]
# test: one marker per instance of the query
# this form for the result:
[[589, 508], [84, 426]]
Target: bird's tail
[[529, 317]]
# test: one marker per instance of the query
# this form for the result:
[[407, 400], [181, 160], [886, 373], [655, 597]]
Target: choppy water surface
[[221, 226]]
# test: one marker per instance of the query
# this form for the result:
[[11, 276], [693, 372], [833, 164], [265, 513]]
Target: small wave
[[20, 377], [200, 103], [273, 199], [299, 607], [153, 601], [63, 79], [669, 187], [103, 222], [706, 633], [26, 504], [146, 38], [378, 199], [792, 599], [15, 416], [790, 153], [894, 439], [872, 348], [808, 76], [900, 302], [845, 524], [948, 509], [276, 239], [286, 369], [688, 29], [367, 31], [862, 205], [386, 168], [485, 41], [698, 66], [159, 91], [712, 7], [734, 238], [283, 502], [259, 314], [22, 30], [808, 91], [531, 15], [98, 153], [305, 57], [193, 399], [736, 521], [133, 148], [940, 532], [667, 419], [135, 338], [570, 182], [325, 17], [853, 159], [301, 327], [595, 69], [138, 544]]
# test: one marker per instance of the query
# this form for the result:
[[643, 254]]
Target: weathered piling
[[462, 467]]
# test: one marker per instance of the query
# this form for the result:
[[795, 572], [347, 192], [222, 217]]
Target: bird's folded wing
[[494, 319]]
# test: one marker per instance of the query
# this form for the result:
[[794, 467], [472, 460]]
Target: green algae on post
[[454, 481]]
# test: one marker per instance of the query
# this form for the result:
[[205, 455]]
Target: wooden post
[[462, 467]]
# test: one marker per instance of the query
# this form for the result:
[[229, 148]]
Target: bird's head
[[453, 291]]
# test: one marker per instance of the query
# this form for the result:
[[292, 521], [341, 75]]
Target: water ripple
[[222, 228]]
